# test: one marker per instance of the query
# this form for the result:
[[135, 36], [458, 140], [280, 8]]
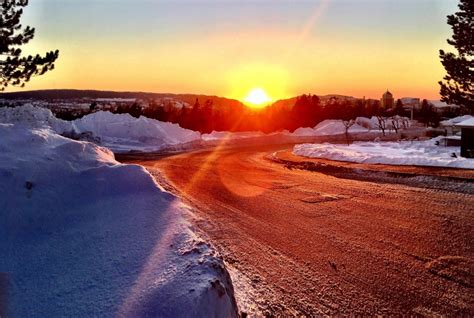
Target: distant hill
[[51, 94], [64, 94]]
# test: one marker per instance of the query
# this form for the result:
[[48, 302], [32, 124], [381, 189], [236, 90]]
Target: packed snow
[[118, 132], [82, 235], [417, 153]]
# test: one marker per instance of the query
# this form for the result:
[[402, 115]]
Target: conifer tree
[[16, 69], [457, 86]]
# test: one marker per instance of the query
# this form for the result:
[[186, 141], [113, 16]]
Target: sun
[[257, 98]]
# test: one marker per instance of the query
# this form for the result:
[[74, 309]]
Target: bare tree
[[348, 124], [382, 124], [405, 122], [396, 123]]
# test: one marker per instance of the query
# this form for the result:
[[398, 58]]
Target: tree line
[[307, 111]]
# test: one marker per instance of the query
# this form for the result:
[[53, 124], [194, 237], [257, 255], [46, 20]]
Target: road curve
[[313, 244]]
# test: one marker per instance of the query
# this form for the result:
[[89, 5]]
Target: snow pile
[[455, 120], [331, 127], [33, 117], [304, 132], [84, 236], [368, 123], [119, 132], [122, 132], [418, 153]]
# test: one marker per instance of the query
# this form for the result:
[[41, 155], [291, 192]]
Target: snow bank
[[82, 235], [368, 123], [303, 132], [122, 132], [455, 120], [418, 153], [335, 127], [118, 132], [331, 127], [31, 116]]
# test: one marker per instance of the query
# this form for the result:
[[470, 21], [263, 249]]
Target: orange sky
[[222, 48]]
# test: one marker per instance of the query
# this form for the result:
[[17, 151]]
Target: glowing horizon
[[227, 48], [257, 98]]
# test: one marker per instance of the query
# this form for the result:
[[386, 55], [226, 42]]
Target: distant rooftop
[[468, 123], [455, 121], [440, 104]]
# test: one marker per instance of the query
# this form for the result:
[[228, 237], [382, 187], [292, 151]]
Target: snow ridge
[[83, 235], [118, 132]]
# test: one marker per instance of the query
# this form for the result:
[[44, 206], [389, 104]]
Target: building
[[411, 103], [450, 126], [441, 107], [467, 137], [387, 100]]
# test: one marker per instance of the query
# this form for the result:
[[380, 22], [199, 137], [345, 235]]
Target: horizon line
[[202, 94]]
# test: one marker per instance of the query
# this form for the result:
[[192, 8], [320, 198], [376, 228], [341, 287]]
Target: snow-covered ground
[[418, 153], [118, 132], [82, 235]]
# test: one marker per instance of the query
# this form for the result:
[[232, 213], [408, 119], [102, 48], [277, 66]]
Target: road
[[314, 244]]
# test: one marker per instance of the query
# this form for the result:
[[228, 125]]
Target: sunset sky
[[226, 48]]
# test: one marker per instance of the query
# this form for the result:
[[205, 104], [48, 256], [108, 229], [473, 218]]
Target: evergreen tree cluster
[[16, 69], [457, 87]]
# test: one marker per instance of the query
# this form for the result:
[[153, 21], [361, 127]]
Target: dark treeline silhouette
[[307, 111], [457, 86], [207, 113]]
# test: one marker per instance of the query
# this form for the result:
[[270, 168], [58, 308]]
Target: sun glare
[[257, 84], [257, 98]]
